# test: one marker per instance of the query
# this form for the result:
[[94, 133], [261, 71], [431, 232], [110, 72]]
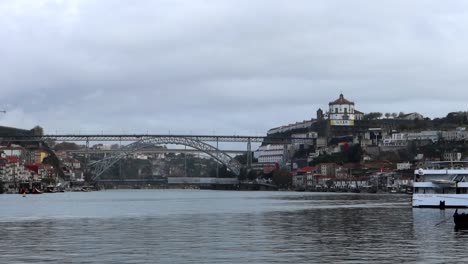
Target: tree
[[66, 146], [394, 115], [387, 115], [329, 183], [401, 114], [242, 159], [243, 174], [282, 178], [223, 172], [252, 175], [372, 116], [354, 154]]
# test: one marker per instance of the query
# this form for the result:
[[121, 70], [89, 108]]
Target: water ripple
[[225, 227]]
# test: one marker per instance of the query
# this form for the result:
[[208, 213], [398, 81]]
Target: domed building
[[342, 112]]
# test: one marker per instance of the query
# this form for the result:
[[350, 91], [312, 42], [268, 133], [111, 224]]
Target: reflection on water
[[224, 227]]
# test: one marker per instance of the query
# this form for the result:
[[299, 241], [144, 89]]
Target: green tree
[[66, 146], [282, 178], [252, 175], [329, 183], [354, 154], [242, 159], [372, 116], [243, 175]]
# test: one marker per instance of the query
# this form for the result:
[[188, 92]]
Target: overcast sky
[[225, 67]]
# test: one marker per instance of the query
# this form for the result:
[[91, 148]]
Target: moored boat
[[35, 191], [445, 185], [461, 220]]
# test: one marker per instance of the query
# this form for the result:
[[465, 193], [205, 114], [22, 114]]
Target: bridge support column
[[249, 154], [217, 154], [87, 170]]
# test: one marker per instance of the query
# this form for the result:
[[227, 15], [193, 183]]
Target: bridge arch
[[99, 167]]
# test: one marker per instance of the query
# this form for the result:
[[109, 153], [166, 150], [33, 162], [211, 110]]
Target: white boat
[[446, 185]]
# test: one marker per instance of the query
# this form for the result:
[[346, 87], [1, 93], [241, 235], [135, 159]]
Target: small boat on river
[[36, 191], [461, 220]]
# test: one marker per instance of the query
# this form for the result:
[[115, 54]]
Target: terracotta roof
[[341, 100], [325, 163], [12, 159], [306, 169]]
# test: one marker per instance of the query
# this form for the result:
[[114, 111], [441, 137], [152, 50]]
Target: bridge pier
[[249, 154]]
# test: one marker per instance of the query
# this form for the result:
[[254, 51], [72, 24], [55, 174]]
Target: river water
[[177, 226]]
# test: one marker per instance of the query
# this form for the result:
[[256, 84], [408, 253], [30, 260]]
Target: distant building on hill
[[452, 156], [411, 116], [9, 131], [291, 127], [342, 112], [274, 153]]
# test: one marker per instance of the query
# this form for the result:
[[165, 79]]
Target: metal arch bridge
[[193, 141], [101, 166]]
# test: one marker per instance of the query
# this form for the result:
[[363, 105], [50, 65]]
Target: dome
[[341, 100]]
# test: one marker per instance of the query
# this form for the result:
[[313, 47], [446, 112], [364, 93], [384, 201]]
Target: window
[[336, 110]]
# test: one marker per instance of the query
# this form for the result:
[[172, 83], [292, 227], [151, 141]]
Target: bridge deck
[[137, 137]]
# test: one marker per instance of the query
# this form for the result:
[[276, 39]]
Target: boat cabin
[[443, 178]]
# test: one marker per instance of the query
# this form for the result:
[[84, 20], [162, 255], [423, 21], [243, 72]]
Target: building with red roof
[[342, 112]]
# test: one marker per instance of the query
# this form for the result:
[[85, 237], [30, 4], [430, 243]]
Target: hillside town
[[354, 151], [349, 150]]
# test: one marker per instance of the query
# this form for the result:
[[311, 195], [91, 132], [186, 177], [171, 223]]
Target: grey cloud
[[230, 66]]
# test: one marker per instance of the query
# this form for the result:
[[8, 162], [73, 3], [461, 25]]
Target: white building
[[455, 135], [425, 135], [411, 116], [399, 137], [274, 153], [299, 181], [341, 109], [396, 140], [290, 127], [342, 112], [403, 166], [103, 147], [299, 138], [452, 156]]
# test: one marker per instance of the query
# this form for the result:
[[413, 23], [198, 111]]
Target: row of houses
[[13, 169], [291, 127], [320, 174], [333, 176], [281, 154], [18, 165], [401, 139]]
